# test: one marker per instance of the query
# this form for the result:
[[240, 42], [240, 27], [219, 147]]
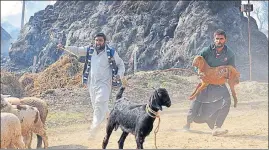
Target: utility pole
[[248, 8], [135, 62], [34, 65], [194, 43], [22, 15]]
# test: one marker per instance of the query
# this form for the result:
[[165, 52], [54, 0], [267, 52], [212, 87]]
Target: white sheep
[[30, 120], [40, 104], [11, 136]]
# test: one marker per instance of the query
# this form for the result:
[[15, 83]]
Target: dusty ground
[[70, 116]]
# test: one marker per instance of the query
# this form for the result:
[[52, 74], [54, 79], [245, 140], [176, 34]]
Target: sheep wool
[[11, 132], [40, 104], [30, 120]]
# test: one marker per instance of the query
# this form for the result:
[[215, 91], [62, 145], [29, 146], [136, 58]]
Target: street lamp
[[248, 8]]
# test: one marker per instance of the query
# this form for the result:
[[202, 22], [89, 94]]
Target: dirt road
[[69, 121], [247, 125]]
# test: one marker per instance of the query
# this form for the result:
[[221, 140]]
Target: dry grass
[[27, 82], [66, 72], [10, 84]]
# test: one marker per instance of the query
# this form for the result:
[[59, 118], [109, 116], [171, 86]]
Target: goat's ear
[[160, 107], [156, 105], [155, 102]]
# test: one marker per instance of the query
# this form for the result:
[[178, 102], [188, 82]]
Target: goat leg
[[191, 97], [233, 94], [139, 142], [122, 139], [199, 89], [109, 130]]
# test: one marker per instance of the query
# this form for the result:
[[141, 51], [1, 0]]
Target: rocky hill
[[163, 33]]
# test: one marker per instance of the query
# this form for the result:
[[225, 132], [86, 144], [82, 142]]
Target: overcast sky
[[11, 10]]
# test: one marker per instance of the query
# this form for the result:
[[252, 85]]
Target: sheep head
[[5, 105], [29, 111]]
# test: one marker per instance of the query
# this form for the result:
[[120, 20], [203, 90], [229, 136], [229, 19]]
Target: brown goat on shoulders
[[215, 75]]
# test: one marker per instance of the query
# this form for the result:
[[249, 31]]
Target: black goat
[[134, 118]]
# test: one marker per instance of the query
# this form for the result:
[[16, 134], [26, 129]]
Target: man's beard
[[100, 47], [219, 45]]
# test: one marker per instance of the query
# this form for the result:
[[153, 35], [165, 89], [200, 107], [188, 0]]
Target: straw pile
[[66, 72], [10, 84], [27, 82]]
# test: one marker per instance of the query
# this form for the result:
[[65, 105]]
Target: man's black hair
[[101, 35], [220, 32]]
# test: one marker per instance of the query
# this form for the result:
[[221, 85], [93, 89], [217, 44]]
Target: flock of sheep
[[20, 118]]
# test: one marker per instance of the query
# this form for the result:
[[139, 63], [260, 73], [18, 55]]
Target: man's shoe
[[218, 131], [187, 127]]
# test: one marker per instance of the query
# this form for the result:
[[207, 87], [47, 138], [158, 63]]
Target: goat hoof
[[235, 104]]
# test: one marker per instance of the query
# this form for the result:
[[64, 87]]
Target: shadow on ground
[[190, 131], [68, 147], [256, 137]]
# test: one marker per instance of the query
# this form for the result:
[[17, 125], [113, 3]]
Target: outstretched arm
[[79, 51]]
